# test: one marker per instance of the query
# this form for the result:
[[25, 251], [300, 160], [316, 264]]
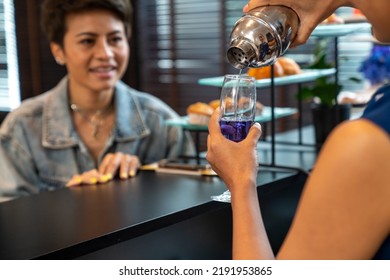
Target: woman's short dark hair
[[53, 13]]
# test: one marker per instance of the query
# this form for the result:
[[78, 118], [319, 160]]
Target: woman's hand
[[124, 164], [235, 163], [310, 12]]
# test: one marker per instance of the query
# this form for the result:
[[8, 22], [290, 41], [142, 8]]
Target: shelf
[[264, 117], [336, 30], [305, 76], [368, 39]]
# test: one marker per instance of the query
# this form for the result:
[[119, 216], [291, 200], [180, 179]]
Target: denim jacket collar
[[130, 122], [57, 127]]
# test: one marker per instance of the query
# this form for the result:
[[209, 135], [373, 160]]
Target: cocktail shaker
[[262, 35]]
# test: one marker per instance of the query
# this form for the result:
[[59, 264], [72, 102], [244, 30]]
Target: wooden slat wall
[[38, 71], [180, 42]]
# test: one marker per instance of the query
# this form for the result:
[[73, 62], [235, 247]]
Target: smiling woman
[[95, 52], [91, 126]]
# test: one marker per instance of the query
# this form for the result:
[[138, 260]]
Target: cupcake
[[199, 113], [284, 66], [214, 103], [265, 72], [290, 67]]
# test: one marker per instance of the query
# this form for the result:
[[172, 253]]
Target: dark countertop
[[75, 222]]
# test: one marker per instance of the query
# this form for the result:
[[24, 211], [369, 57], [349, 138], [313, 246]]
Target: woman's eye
[[117, 39], [86, 41]]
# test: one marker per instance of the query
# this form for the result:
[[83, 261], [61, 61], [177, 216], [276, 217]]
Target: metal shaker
[[262, 35]]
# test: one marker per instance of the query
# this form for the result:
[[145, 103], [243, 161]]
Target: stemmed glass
[[238, 107]]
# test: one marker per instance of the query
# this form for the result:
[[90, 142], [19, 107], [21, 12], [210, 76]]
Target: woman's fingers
[[124, 164], [129, 166], [214, 127], [134, 165], [74, 181], [91, 177], [110, 164]]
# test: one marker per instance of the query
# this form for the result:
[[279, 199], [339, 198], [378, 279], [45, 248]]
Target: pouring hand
[[310, 12]]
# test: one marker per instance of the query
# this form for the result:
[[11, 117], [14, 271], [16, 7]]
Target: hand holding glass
[[238, 107]]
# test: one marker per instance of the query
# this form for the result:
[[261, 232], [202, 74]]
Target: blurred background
[[174, 44]]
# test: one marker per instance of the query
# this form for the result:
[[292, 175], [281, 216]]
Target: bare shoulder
[[360, 138], [345, 200], [355, 164], [360, 148]]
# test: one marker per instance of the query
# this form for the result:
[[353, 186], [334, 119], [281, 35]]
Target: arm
[[310, 12], [236, 164], [250, 240], [165, 141], [344, 211], [179, 142], [313, 12], [377, 13], [17, 171]]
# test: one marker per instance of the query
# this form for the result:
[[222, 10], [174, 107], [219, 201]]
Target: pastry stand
[[304, 77]]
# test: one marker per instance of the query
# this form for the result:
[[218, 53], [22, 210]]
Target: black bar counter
[[150, 216]]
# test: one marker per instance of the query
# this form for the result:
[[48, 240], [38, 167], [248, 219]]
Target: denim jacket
[[41, 150]]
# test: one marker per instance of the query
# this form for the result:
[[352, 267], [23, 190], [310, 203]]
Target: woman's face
[[95, 50]]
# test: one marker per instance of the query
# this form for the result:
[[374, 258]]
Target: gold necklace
[[96, 120]]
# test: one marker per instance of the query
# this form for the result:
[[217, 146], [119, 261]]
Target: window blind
[[181, 41], [9, 78]]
